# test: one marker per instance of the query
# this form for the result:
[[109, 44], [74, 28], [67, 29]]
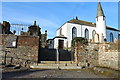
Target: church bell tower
[[101, 23]]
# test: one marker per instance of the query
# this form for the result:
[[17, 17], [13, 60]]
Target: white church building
[[95, 32]]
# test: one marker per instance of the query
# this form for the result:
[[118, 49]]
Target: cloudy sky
[[51, 15]]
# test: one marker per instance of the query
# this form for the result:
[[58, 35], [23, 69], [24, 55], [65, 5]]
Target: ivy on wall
[[79, 39]]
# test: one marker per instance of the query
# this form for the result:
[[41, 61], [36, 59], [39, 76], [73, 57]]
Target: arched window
[[86, 34], [111, 37], [93, 34], [74, 32], [60, 31], [119, 36]]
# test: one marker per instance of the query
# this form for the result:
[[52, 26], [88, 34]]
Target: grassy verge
[[104, 71]]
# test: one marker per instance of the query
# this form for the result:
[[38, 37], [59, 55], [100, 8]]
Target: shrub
[[79, 39]]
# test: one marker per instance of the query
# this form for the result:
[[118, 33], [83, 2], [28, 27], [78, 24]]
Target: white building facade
[[91, 31]]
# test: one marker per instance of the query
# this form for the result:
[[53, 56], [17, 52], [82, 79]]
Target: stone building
[[44, 39], [35, 30], [5, 28]]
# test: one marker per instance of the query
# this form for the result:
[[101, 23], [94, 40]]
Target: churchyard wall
[[109, 55], [25, 52], [96, 54]]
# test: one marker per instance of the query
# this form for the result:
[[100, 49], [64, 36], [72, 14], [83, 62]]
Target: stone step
[[54, 62], [70, 67], [55, 67], [59, 64], [73, 64], [51, 64]]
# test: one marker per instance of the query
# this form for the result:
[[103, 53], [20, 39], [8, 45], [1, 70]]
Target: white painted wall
[[64, 28], [90, 29], [101, 27], [67, 31], [56, 42]]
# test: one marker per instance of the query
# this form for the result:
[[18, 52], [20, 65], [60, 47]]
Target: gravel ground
[[44, 73]]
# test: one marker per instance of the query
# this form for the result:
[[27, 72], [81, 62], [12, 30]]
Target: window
[[93, 34], [60, 31], [119, 36], [86, 34], [74, 32], [111, 37], [50, 42]]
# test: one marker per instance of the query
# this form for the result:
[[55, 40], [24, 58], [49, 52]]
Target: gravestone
[[96, 39]]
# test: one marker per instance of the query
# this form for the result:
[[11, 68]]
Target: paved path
[[51, 74]]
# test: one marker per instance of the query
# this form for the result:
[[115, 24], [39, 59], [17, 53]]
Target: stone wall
[[25, 52], [109, 58], [86, 53], [102, 54]]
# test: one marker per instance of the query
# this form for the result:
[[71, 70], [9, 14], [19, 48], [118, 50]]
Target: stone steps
[[61, 65], [51, 64], [55, 66], [61, 62]]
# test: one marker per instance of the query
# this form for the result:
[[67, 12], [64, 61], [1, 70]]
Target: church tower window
[[60, 31], [74, 32], [86, 34], [111, 37]]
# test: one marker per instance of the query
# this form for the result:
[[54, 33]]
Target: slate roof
[[75, 21], [100, 10], [81, 22]]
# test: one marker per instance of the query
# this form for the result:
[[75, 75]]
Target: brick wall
[[26, 51]]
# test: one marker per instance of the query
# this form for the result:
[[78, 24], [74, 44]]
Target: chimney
[[34, 23]]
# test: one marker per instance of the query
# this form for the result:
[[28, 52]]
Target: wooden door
[[61, 44]]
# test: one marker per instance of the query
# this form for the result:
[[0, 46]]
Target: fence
[[18, 28]]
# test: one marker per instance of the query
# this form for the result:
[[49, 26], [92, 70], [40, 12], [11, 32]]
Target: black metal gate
[[51, 55]]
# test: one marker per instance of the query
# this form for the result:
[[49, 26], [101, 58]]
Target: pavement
[[48, 73]]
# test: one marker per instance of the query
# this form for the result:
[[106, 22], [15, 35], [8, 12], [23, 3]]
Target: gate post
[[76, 52]]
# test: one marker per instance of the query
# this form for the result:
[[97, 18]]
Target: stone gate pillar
[[76, 52]]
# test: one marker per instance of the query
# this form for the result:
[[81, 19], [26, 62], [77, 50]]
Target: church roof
[[81, 22], [75, 21], [112, 28], [100, 10]]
